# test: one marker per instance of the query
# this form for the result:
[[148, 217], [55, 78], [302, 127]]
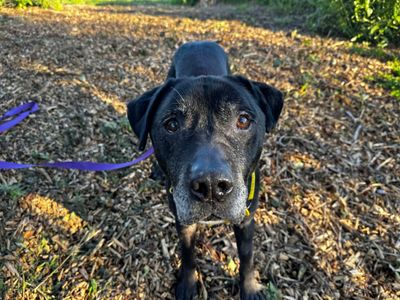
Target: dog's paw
[[252, 290], [186, 287]]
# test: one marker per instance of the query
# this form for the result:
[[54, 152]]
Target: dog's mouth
[[190, 210], [215, 219], [212, 219]]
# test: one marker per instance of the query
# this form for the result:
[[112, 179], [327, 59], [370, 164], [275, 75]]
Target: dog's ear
[[269, 99], [141, 111]]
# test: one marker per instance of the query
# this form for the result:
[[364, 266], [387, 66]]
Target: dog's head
[[207, 134]]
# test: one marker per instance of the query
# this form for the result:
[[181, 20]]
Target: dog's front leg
[[186, 286], [249, 287]]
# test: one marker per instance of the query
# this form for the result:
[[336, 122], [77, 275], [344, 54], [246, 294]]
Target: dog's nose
[[211, 186], [210, 176], [201, 187], [221, 188]]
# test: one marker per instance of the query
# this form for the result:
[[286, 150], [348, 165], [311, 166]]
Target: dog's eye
[[243, 121], [171, 125]]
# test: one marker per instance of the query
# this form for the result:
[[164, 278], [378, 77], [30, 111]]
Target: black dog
[[207, 129]]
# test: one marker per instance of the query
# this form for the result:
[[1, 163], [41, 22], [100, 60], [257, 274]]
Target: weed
[[92, 289], [371, 52], [14, 191], [390, 81], [3, 287], [40, 155], [272, 292]]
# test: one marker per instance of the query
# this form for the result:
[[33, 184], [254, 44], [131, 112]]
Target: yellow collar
[[252, 186], [251, 192]]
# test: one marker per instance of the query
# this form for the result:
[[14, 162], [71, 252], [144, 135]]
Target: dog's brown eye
[[243, 122], [171, 125]]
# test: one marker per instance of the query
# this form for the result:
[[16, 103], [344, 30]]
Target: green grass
[[117, 2], [14, 191], [371, 52], [391, 81], [3, 287], [93, 289], [58, 4], [272, 292]]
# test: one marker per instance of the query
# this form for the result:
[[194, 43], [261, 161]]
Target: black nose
[[211, 186], [210, 175]]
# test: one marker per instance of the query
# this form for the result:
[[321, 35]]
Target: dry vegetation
[[329, 222]]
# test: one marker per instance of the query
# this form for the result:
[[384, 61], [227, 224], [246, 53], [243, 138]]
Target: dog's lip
[[212, 219], [213, 216]]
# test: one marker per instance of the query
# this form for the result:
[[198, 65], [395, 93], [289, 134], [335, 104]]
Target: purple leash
[[21, 112]]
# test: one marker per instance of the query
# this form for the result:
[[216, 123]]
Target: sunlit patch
[[36, 67], [229, 262], [352, 223], [112, 100], [384, 213], [49, 69], [231, 266], [359, 276], [266, 216], [302, 160], [146, 73], [313, 211], [54, 212]]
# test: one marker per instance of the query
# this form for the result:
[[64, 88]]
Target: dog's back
[[199, 58]]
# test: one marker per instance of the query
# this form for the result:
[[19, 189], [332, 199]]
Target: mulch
[[329, 221]]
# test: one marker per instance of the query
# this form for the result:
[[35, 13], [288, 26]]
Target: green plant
[[93, 289], [53, 4], [3, 286], [185, 2], [374, 21], [377, 20], [14, 191], [373, 52], [331, 17], [23, 3], [390, 81]]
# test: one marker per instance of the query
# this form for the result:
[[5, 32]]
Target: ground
[[329, 222]]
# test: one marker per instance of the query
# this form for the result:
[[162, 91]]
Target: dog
[[207, 128]]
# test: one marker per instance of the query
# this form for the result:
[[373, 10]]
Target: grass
[[272, 292], [14, 191], [3, 286], [118, 2], [389, 81], [58, 4], [372, 52], [93, 289]]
